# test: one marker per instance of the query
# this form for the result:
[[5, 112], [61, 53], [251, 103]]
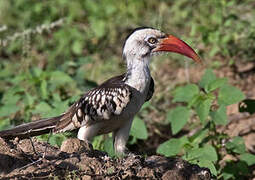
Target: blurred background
[[51, 52]]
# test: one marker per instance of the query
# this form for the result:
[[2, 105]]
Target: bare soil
[[75, 159]]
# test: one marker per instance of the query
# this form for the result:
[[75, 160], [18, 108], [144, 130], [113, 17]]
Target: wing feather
[[98, 104]]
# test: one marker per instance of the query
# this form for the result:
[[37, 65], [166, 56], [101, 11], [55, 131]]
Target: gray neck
[[138, 74]]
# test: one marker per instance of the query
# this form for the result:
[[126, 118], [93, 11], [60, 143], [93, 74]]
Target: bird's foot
[[126, 154]]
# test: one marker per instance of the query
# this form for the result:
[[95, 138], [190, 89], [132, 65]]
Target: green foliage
[[230, 95], [248, 158], [185, 93], [56, 139], [4, 124], [209, 102], [236, 145], [204, 156], [207, 152], [172, 146], [219, 117], [234, 171], [108, 146], [203, 109], [178, 118], [238, 169], [138, 129], [40, 94], [207, 79], [202, 101]]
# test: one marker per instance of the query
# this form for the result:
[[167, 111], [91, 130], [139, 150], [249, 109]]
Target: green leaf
[[195, 100], [56, 97], [97, 142], [219, 117], [4, 124], [54, 139], [214, 50], [178, 118], [60, 78], [11, 98], [229, 171], [207, 78], [204, 157], [199, 136], [233, 170], [217, 83], [77, 47], [98, 26], [236, 145], [108, 146], [185, 93], [243, 168], [203, 109], [172, 147], [29, 100], [146, 105], [59, 107], [207, 152], [248, 158], [230, 95], [57, 139], [43, 88], [138, 129], [132, 140], [210, 153], [37, 71], [4, 73], [208, 164], [8, 109], [43, 108], [227, 175]]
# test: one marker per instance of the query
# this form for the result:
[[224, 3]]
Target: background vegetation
[[51, 52]]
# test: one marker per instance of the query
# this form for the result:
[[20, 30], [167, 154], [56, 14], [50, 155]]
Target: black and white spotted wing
[[97, 105]]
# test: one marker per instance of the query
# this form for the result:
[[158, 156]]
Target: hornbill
[[112, 106]]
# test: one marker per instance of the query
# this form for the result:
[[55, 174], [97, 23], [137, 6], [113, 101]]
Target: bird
[[111, 106]]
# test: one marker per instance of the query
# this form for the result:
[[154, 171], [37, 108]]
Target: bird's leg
[[45, 150], [31, 141], [40, 158], [120, 138]]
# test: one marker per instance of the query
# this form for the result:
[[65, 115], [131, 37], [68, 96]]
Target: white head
[[142, 43]]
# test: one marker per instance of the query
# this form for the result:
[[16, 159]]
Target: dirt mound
[[76, 159]]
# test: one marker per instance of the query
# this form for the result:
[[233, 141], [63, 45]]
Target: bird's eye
[[152, 40]]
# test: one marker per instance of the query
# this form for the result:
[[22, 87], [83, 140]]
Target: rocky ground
[[27, 159]]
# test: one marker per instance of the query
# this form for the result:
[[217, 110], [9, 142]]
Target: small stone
[[172, 175], [75, 145], [86, 177]]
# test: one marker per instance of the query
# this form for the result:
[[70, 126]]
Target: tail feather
[[34, 128]]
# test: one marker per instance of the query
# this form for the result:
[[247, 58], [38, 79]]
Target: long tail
[[34, 128]]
